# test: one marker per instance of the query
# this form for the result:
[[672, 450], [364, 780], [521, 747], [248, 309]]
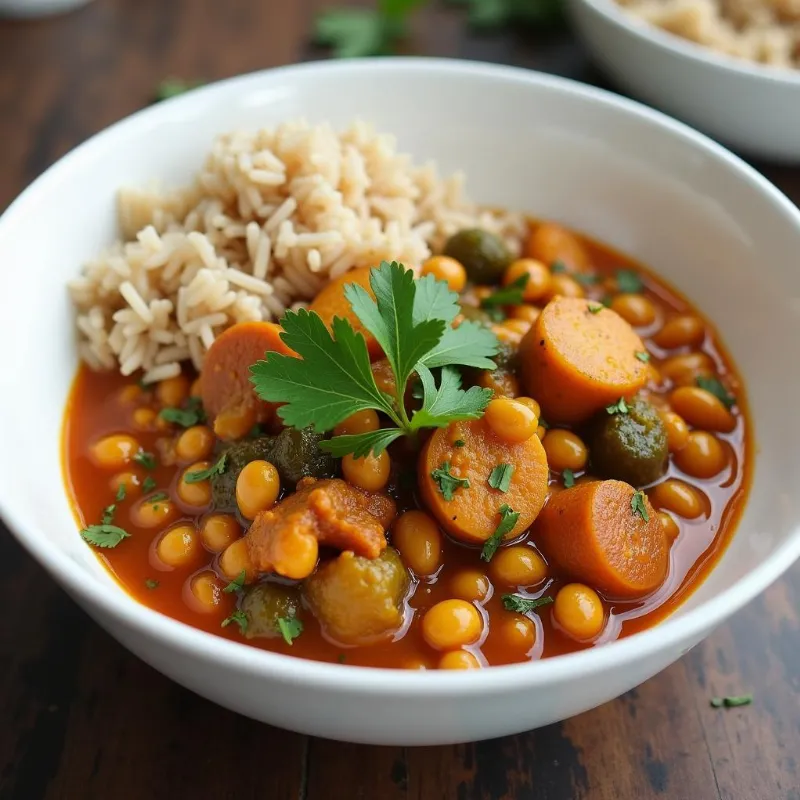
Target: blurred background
[[82, 718]]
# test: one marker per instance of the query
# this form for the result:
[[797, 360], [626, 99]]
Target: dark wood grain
[[81, 718]]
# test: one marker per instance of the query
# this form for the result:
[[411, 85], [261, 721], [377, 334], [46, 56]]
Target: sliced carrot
[[331, 302], [225, 379], [593, 533], [473, 513], [576, 359], [549, 243]]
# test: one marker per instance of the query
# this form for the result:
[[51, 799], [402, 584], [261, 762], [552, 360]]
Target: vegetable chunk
[[607, 535], [575, 360], [267, 603], [454, 480]]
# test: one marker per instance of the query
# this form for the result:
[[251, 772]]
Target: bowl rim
[[700, 54], [238, 656]]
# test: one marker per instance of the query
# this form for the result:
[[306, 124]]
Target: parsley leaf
[[193, 414], [172, 87], [239, 617], [510, 295], [642, 355], [524, 605], [120, 496], [290, 628], [732, 701], [628, 281], [236, 584], [717, 388], [638, 506], [569, 478], [500, 477], [147, 460], [217, 468], [449, 402], [459, 443], [148, 484], [495, 14], [105, 536], [151, 584], [508, 519], [448, 483], [159, 497], [595, 309], [469, 345], [108, 514], [620, 407], [361, 444]]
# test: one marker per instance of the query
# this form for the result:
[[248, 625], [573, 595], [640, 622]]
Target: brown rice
[[271, 217]]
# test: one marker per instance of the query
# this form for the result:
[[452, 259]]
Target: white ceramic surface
[[37, 8], [752, 108], [620, 172]]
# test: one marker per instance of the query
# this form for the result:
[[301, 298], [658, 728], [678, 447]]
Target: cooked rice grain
[[273, 215]]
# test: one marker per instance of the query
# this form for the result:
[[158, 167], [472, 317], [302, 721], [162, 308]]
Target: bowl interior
[[626, 176]]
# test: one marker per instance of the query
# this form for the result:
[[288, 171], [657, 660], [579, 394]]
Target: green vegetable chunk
[[630, 447], [483, 255], [266, 604], [358, 601]]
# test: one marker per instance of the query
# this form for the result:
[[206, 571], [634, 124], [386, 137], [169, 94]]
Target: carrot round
[[470, 451], [331, 302], [596, 533], [550, 243], [225, 379], [579, 357]]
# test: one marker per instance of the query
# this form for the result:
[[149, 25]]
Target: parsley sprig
[[508, 519], [332, 378]]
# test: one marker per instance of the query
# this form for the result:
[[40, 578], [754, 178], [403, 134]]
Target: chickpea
[[526, 313], [130, 394], [678, 497], [516, 632], [549, 242], [154, 512], [565, 450], [447, 269], [144, 419], [459, 659], [635, 309], [532, 405], [195, 443], [503, 384], [671, 528], [515, 422], [506, 334], [677, 430], [579, 611], [518, 565], [539, 278], [235, 559], [257, 488], [218, 531], [703, 457], [419, 541], [564, 286], [683, 370], [196, 389], [294, 553], [179, 546], [414, 663], [206, 591], [517, 326], [451, 624], [541, 432], [171, 392], [701, 409], [115, 451], [194, 493], [235, 423], [364, 421], [685, 330], [370, 473], [470, 585], [132, 481]]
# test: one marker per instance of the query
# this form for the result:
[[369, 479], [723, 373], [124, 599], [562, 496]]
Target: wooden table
[[81, 718]]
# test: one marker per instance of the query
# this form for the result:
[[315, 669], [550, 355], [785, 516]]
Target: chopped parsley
[[500, 477], [732, 701], [120, 496], [290, 628], [217, 468], [108, 514], [236, 584], [158, 497], [341, 658], [569, 478], [587, 279], [628, 281], [149, 484], [448, 483], [105, 536], [508, 519], [147, 460], [510, 295], [524, 605], [151, 584], [717, 388], [595, 309], [543, 423], [642, 355], [193, 414], [557, 267], [620, 407], [638, 506], [172, 87], [459, 443], [239, 617]]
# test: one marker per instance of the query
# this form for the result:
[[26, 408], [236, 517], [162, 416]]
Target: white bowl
[[751, 107], [620, 172]]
